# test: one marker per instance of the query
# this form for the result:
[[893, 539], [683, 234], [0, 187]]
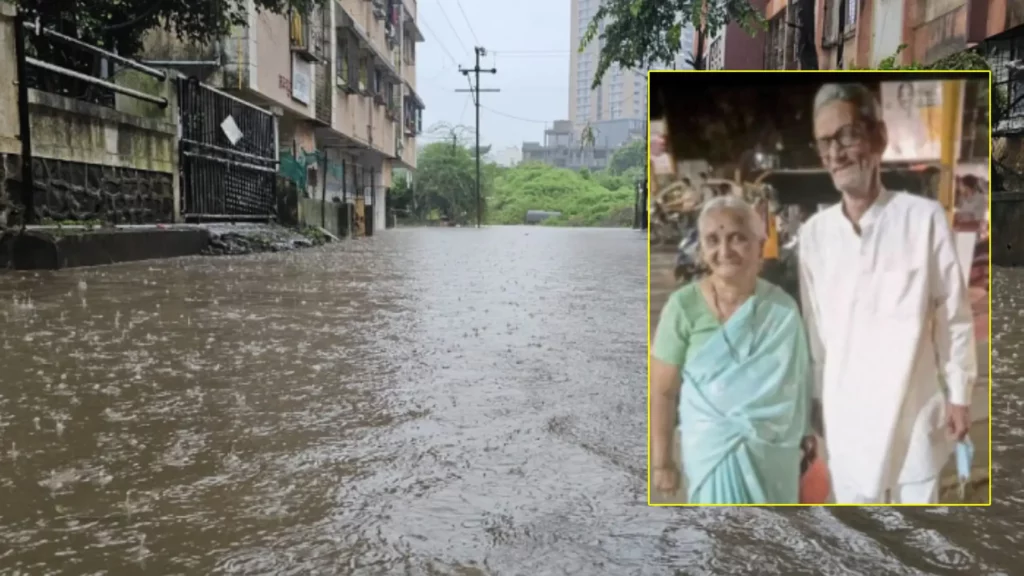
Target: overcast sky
[[527, 41]]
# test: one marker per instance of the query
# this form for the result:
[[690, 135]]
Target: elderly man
[[887, 314]]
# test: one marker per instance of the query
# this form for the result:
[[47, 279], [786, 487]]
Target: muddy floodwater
[[426, 401]]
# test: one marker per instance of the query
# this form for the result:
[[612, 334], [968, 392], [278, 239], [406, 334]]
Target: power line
[[531, 56], [507, 52], [464, 106], [423, 21], [448, 20], [520, 118], [471, 31]]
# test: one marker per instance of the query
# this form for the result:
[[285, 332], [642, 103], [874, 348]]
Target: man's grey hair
[[737, 207], [863, 99]]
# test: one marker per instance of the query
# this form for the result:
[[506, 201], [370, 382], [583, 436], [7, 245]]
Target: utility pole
[[475, 90]]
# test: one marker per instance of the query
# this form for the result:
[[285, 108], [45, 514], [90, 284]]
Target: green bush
[[593, 199]]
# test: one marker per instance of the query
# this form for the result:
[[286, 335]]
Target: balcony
[[306, 36]]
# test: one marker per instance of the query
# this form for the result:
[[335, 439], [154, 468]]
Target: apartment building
[[622, 93], [342, 81], [862, 33]]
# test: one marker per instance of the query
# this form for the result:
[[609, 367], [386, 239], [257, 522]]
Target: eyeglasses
[[845, 137]]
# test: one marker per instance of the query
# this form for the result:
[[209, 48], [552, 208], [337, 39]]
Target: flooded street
[[427, 401]]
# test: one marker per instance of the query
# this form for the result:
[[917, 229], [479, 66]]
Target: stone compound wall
[[117, 165], [77, 191], [95, 163]]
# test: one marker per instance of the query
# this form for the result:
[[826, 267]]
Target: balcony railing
[[307, 36]]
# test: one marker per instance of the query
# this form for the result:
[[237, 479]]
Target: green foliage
[[401, 195], [966, 60], [641, 33], [446, 182], [582, 201], [632, 155], [120, 24]]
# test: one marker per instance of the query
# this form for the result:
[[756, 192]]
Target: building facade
[[623, 93], [564, 148], [342, 81], [861, 33]]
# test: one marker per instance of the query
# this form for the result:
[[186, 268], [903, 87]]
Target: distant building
[[507, 157], [563, 146], [622, 93]]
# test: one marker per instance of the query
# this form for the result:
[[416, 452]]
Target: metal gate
[[228, 155]]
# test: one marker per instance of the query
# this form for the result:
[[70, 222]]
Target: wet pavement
[[426, 401]]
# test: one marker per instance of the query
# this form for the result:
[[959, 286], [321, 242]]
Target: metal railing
[[35, 72], [107, 58]]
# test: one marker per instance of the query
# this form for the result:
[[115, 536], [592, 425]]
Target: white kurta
[[892, 337]]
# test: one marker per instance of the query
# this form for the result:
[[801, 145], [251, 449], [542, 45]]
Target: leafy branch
[[638, 34]]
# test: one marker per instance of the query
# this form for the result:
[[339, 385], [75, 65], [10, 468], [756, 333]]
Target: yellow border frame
[[649, 176]]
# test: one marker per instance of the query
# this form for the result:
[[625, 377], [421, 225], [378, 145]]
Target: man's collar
[[875, 210]]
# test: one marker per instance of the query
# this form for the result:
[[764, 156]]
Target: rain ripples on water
[[424, 402]]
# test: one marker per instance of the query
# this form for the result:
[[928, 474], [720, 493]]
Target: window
[[716, 59], [378, 82], [341, 61], [364, 74], [832, 20], [409, 50], [775, 43], [840, 17]]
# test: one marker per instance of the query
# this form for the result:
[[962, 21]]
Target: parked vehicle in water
[[538, 216]]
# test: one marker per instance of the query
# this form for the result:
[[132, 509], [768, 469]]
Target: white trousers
[[926, 492]]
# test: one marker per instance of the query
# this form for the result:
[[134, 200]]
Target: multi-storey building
[[342, 80], [862, 33], [622, 94]]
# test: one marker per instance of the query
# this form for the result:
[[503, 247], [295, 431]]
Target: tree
[[446, 182], [120, 25], [632, 155], [642, 33], [400, 197]]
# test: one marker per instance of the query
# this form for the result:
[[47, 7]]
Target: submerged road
[[427, 401]]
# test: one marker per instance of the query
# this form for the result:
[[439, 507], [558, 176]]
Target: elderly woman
[[730, 353]]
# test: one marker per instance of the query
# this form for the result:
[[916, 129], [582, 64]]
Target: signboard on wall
[[912, 112], [302, 72]]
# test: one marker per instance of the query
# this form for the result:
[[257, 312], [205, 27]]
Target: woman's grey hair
[[739, 208], [863, 99]]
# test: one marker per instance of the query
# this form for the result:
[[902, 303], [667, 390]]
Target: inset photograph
[[819, 288]]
